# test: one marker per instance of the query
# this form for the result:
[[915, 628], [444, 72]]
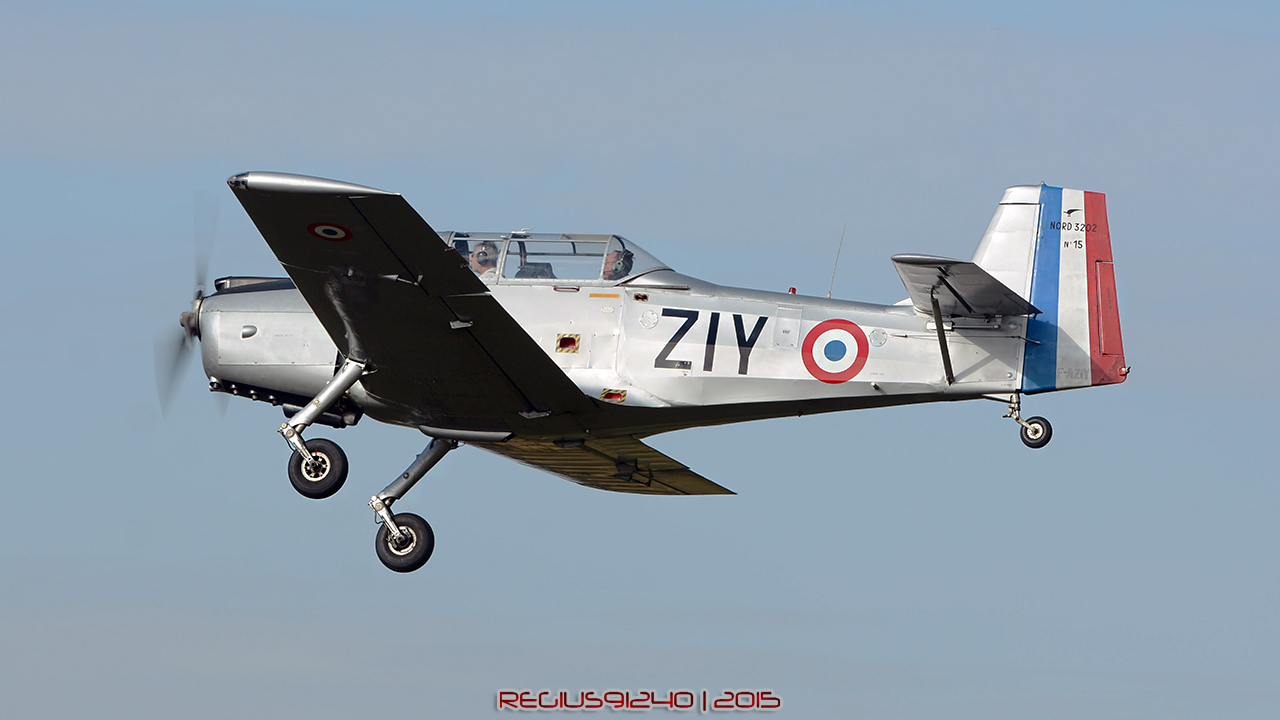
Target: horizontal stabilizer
[[961, 288]]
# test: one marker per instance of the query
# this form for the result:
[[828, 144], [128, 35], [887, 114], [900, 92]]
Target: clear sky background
[[914, 562]]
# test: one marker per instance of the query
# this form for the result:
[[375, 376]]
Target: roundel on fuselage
[[834, 351]]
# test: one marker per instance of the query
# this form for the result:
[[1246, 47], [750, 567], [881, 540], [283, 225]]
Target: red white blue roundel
[[834, 351], [329, 231]]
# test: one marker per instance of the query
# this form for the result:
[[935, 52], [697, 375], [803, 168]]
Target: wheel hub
[[407, 545], [316, 467]]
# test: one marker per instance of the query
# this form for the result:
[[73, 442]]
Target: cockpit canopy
[[526, 257]]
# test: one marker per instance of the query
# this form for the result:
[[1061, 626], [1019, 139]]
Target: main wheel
[[1039, 434], [324, 475], [415, 552]]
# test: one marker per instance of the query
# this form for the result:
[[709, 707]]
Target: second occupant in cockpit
[[484, 260], [617, 264]]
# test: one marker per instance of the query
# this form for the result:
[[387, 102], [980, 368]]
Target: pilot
[[484, 260], [617, 264]]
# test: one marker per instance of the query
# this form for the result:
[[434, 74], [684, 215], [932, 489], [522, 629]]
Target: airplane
[[565, 351]]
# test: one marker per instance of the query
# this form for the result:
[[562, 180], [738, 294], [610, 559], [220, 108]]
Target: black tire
[[1039, 434], [327, 477], [414, 555]]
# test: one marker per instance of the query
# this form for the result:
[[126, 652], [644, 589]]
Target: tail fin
[[1053, 247]]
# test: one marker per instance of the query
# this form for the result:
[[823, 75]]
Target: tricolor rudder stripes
[[1075, 341]]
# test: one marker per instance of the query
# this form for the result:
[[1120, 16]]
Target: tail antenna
[[837, 264]]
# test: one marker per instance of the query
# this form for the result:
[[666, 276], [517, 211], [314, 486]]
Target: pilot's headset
[[486, 254], [622, 263]]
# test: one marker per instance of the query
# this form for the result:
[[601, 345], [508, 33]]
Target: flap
[[962, 288], [623, 464]]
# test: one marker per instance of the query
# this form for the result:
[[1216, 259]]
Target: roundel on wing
[[835, 351], [329, 231]]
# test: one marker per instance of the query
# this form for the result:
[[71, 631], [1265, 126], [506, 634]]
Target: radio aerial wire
[[837, 263]]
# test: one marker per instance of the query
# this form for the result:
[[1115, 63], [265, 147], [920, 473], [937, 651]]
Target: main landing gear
[[405, 541], [1036, 432], [318, 468]]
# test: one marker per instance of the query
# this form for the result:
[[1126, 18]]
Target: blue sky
[[903, 563]]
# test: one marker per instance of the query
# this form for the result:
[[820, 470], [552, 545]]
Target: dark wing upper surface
[[621, 464], [392, 294]]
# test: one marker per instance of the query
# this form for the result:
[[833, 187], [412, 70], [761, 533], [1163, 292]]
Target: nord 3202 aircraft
[[564, 351]]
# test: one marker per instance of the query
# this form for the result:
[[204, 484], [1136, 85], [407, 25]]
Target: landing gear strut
[[1036, 432], [405, 541], [318, 468]]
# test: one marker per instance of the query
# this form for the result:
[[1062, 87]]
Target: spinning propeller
[[173, 350]]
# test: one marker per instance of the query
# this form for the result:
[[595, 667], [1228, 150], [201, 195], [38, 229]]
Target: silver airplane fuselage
[[738, 355]]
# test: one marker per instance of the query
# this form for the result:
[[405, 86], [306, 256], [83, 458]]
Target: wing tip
[[920, 259], [288, 182]]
